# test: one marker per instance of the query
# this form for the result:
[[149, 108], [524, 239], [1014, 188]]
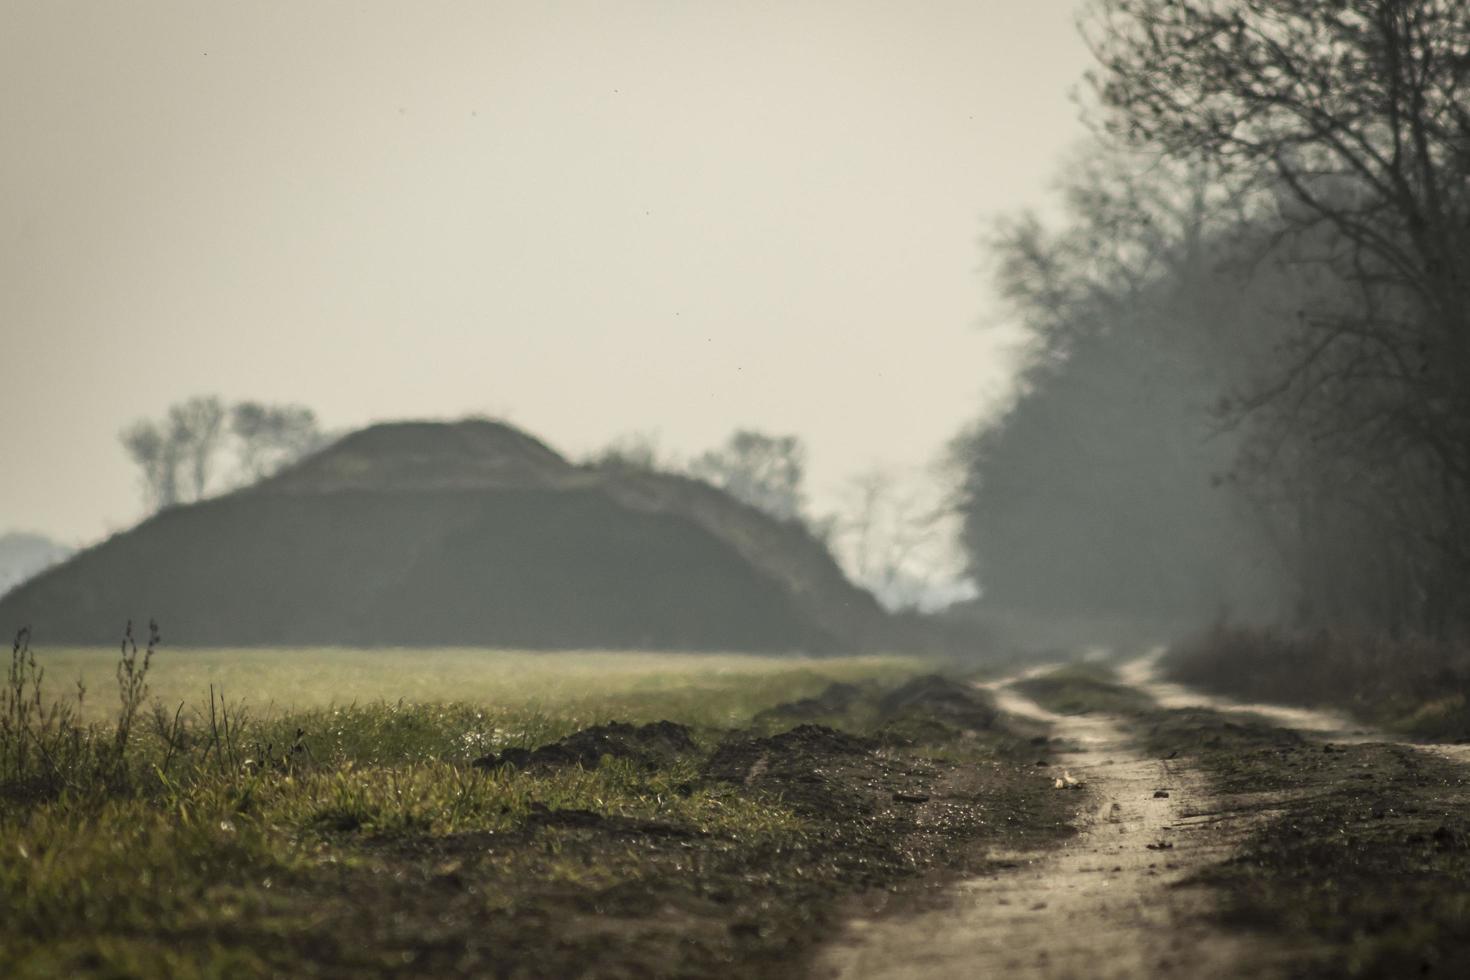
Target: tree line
[[203, 444], [1251, 368], [889, 529], [886, 530]]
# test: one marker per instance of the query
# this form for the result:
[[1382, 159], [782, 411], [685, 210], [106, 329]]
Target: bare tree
[[895, 534], [195, 430], [149, 445], [761, 470], [1143, 309], [180, 456], [1356, 115], [269, 437], [634, 450]]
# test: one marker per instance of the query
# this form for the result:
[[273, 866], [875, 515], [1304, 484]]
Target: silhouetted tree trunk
[[195, 429], [761, 470]]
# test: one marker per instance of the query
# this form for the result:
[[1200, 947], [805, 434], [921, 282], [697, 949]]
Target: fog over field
[[829, 489], [595, 220]]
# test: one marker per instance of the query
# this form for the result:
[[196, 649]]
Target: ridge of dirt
[[743, 878], [942, 698], [810, 767], [834, 699], [1368, 854], [650, 745], [1368, 860]]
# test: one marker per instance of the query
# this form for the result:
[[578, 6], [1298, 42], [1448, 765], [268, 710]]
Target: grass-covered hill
[[467, 533]]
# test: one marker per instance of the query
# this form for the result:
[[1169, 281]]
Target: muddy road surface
[[1116, 901], [1215, 839]]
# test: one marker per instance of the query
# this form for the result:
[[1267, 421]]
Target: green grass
[[205, 843], [714, 689]]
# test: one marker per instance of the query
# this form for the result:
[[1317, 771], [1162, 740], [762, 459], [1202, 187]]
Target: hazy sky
[[589, 218]]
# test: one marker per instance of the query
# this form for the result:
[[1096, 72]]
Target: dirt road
[[1113, 902]]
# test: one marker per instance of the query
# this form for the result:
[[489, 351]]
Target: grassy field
[[317, 812], [696, 688]]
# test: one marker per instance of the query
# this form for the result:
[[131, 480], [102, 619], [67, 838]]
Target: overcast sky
[[588, 218]]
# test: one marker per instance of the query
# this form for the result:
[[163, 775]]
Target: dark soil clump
[[943, 699], [836, 699], [580, 893], [805, 767], [741, 759], [574, 819], [652, 745], [1364, 858], [577, 892], [1245, 755]]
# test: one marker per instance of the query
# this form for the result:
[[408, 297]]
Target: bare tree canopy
[[180, 456], [148, 445], [634, 451], [1282, 231], [894, 532], [195, 428], [1106, 462], [762, 470], [270, 436], [1357, 115]]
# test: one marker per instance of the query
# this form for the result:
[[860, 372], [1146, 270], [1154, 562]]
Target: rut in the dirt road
[[1113, 902]]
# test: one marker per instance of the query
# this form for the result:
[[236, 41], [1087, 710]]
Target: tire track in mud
[[1113, 902]]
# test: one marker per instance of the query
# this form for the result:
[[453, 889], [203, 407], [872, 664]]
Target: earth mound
[[651, 746], [942, 698], [413, 456], [804, 766], [834, 699], [459, 534]]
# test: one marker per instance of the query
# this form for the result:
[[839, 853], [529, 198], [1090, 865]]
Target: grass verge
[[1411, 685], [1363, 854], [364, 839]]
